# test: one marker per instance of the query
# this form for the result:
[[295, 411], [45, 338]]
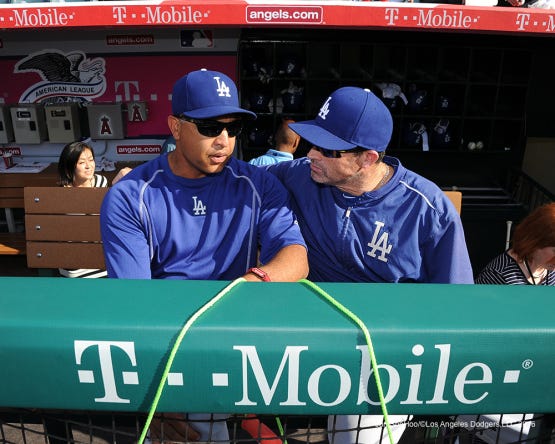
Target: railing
[[527, 191], [35, 426], [453, 352]]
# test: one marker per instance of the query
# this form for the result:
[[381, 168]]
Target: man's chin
[[215, 168], [317, 177]]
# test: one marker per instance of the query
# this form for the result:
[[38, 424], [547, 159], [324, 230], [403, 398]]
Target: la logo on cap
[[325, 109], [223, 89]]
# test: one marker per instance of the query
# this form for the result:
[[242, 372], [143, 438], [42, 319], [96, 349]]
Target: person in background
[[200, 213], [168, 145], [286, 142], [531, 258], [529, 261], [366, 218], [540, 4], [76, 168]]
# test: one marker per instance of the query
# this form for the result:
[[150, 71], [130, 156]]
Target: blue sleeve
[[126, 247], [279, 170], [446, 256], [289, 171], [261, 161], [278, 225]]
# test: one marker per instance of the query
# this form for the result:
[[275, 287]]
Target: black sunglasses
[[213, 128], [336, 154]]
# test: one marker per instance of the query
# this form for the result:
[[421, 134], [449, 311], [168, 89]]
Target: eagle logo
[[67, 77]]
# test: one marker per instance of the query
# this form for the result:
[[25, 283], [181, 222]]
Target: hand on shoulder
[[121, 174]]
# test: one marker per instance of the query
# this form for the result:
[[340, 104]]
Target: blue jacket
[[270, 157], [158, 225], [406, 231]]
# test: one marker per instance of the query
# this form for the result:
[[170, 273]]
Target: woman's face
[[84, 169]]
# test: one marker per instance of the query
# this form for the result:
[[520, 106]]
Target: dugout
[[475, 86]]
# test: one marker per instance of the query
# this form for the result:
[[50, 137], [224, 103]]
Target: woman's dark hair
[[68, 160]]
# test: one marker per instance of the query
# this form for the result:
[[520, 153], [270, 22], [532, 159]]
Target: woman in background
[[76, 168], [531, 260]]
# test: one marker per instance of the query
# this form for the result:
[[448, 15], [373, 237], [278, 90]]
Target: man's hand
[[289, 265], [121, 173], [171, 427]]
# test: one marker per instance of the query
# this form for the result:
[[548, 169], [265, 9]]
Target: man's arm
[[446, 257], [126, 249], [283, 253], [289, 265], [121, 174]]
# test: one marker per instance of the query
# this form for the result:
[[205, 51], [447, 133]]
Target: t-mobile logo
[[106, 367]]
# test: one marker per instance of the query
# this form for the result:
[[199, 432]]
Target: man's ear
[[174, 125], [296, 142], [370, 157]]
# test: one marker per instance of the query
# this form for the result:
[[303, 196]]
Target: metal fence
[[23, 426], [527, 191]]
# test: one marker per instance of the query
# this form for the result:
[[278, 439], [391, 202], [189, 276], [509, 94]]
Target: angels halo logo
[[65, 77]]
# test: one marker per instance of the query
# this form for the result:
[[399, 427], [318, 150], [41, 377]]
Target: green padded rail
[[102, 344]]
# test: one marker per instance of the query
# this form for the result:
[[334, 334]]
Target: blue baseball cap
[[206, 94], [350, 117]]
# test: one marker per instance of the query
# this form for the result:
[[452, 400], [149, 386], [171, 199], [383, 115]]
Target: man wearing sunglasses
[[198, 212], [366, 218]]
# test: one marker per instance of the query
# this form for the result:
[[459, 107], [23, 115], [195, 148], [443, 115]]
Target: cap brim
[[318, 136], [217, 111]]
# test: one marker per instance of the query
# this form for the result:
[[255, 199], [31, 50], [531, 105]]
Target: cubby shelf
[[469, 94]]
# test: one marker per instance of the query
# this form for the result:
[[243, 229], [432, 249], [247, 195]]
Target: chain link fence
[[29, 426]]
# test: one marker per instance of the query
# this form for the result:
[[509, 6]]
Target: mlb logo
[[198, 38], [106, 120]]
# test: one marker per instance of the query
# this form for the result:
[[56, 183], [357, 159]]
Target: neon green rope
[[361, 325], [175, 347], [213, 302], [280, 428]]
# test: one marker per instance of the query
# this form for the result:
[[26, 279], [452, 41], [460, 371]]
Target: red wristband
[[260, 274]]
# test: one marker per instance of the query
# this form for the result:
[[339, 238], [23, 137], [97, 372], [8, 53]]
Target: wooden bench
[[11, 189], [11, 198], [12, 243], [62, 227], [456, 198]]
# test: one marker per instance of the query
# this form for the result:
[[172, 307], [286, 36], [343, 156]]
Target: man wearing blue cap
[[199, 213], [366, 218]]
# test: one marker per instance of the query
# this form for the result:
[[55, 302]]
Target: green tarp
[[102, 344]]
